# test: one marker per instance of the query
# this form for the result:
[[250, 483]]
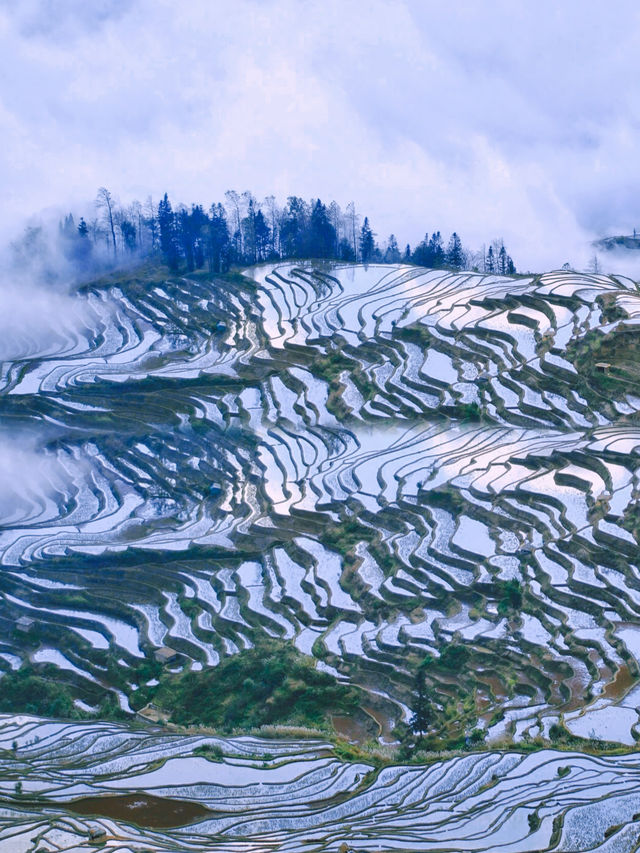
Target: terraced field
[[362, 460], [149, 791]]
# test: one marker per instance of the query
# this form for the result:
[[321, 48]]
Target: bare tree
[[274, 221], [249, 226], [106, 204], [594, 265], [95, 229], [336, 219], [476, 261], [151, 222], [135, 215], [352, 219], [233, 200]]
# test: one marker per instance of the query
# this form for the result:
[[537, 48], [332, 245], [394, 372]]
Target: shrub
[[510, 597], [269, 684], [212, 751], [25, 692], [453, 658], [556, 732]]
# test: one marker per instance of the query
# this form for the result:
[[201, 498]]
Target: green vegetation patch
[[509, 597], [24, 692], [331, 365], [562, 738], [344, 536], [211, 751], [609, 364], [454, 658], [270, 684]]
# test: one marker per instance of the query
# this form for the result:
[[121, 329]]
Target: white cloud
[[508, 118]]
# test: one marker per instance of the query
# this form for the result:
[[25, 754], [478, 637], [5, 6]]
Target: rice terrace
[[324, 556]]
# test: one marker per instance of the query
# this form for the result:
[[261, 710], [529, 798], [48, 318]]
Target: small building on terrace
[[165, 654]]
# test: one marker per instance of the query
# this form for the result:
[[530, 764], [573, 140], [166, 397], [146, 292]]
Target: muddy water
[[141, 809], [496, 686], [351, 729], [620, 685], [384, 722], [360, 727]]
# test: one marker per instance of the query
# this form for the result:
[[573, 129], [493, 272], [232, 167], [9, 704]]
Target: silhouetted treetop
[[244, 231]]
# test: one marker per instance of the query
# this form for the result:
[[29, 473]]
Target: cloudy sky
[[504, 118]]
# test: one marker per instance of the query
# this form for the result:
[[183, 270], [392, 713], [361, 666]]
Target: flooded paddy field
[[98, 783], [380, 465], [141, 809]]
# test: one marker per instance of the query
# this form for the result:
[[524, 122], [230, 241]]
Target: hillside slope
[[395, 469]]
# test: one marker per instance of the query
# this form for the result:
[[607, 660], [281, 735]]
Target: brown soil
[[142, 809], [617, 688], [358, 727]]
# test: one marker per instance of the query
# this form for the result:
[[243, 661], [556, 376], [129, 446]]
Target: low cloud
[[35, 320], [517, 120], [27, 477], [40, 312]]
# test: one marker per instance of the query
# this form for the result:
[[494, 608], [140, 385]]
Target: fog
[[506, 119], [36, 321], [28, 477]]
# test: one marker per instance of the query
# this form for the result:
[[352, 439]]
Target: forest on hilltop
[[241, 232]]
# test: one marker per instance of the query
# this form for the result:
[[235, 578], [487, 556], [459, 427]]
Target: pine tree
[[423, 710], [345, 250], [262, 236], [367, 243], [491, 261], [249, 229], [502, 260], [392, 253], [73, 241], [67, 227], [217, 239], [189, 229], [436, 250], [293, 230], [168, 236], [422, 253], [455, 252], [322, 235], [198, 223]]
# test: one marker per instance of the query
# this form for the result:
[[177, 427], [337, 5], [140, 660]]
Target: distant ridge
[[619, 241]]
